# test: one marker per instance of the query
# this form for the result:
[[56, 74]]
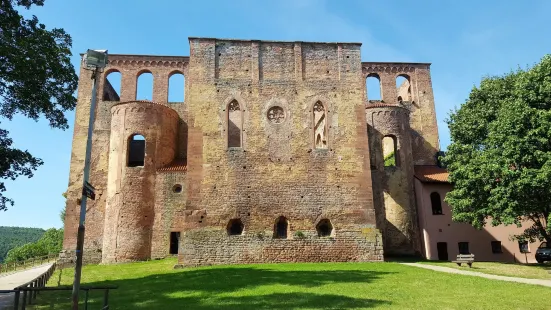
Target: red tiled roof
[[177, 165], [431, 174]]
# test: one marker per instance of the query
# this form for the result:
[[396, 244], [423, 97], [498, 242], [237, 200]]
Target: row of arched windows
[[324, 228], [144, 86], [374, 88]]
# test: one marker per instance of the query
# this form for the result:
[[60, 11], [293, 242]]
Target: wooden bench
[[464, 259]]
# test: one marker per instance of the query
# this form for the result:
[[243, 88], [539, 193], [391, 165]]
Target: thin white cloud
[[311, 20]]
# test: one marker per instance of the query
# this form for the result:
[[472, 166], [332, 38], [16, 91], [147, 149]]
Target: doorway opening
[[442, 248], [174, 242]]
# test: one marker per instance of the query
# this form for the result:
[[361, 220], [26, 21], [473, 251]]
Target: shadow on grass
[[232, 288]]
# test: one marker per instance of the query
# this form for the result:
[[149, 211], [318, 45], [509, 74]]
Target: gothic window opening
[[174, 242], [320, 126], [403, 88], [389, 151], [112, 86], [235, 227], [176, 86], [280, 229], [324, 228], [136, 151], [373, 87], [436, 203], [235, 124], [144, 87]]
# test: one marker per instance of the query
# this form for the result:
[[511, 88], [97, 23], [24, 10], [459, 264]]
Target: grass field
[[531, 271], [155, 285]]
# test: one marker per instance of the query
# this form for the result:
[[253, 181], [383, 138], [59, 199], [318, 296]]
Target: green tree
[[11, 237], [500, 156], [50, 242], [37, 80]]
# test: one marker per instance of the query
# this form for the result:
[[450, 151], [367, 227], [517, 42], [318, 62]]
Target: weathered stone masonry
[[275, 155]]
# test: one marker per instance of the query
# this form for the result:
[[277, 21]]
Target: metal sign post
[[95, 60]]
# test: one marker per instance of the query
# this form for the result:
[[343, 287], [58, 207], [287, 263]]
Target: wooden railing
[[25, 294], [29, 263]]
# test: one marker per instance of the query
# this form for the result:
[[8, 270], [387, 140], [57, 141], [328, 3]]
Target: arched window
[[144, 87], [136, 151], [112, 86], [176, 86], [235, 227], [235, 124], [280, 228], [373, 87], [403, 88], [324, 228], [389, 151], [436, 203], [320, 126]]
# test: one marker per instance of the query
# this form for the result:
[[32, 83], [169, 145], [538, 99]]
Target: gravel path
[[11, 281], [483, 275]]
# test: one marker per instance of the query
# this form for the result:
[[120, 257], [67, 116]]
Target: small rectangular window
[[463, 247], [523, 247], [496, 247]]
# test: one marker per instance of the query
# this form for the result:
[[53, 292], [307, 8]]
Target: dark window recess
[[280, 230], [324, 228], [136, 151], [436, 203], [463, 248], [174, 242], [235, 227], [496, 247], [523, 247]]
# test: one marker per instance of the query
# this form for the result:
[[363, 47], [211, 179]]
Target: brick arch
[[106, 93]]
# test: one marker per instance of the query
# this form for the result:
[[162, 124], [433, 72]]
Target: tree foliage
[[500, 156], [37, 80], [50, 242], [11, 237]]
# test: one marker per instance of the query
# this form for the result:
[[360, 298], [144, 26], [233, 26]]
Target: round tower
[[392, 173], [143, 138]]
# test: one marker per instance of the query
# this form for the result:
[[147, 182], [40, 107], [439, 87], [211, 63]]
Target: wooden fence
[[29, 263]]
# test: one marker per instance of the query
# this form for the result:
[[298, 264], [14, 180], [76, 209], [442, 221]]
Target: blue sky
[[464, 41]]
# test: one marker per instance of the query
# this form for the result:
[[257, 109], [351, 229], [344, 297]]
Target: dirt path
[[483, 275], [9, 282]]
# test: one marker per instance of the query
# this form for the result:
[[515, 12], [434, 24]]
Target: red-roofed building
[[444, 239]]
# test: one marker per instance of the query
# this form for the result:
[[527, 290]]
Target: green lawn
[[155, 285], [532, 271]]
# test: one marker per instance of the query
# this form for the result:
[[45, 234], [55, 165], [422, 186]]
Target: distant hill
[[11, 237]]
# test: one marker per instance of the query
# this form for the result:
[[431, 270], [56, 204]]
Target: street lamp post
[[94, 60]]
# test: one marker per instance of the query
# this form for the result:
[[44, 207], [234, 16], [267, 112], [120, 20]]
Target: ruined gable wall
[[277, 171]]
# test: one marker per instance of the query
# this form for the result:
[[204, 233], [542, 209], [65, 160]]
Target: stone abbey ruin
[[276, 154]]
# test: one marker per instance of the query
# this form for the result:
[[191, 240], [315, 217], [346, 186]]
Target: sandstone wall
[[424, 128], [130, 67], [129, 215], [393, 192], [277, 171], [348, 246]]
